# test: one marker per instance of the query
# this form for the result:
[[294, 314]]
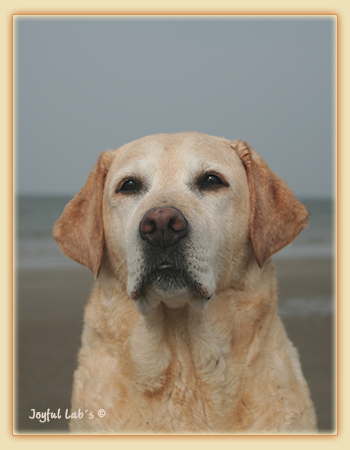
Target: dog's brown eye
[[211, 181], [130, 186]]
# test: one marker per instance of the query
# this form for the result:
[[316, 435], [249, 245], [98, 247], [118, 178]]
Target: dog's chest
[[182, 383]]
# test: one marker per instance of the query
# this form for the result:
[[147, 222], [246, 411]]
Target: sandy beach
[[49, 317]]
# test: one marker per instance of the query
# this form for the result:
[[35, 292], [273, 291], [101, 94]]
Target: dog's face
[[176, 210], [176, 218]]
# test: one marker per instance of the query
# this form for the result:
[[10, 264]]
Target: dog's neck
[[183, 342]]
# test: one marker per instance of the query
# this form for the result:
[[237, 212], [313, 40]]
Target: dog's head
[[178, 217]]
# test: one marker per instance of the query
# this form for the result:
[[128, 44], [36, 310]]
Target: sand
[[49, 318]]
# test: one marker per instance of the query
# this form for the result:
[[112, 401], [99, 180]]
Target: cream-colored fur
[[208, 353]]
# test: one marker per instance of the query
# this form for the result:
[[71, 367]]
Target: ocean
[[35, 247]]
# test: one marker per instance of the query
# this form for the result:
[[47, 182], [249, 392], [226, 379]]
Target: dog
[[181, 331]]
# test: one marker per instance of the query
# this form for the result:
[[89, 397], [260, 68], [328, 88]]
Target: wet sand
[[49, 312]]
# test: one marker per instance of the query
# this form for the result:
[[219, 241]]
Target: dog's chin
[[172, 290], [148, 303]]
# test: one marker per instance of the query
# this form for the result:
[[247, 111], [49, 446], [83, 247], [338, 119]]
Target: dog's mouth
[[165, 276]]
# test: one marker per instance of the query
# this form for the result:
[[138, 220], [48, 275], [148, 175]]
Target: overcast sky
[[85, 85]]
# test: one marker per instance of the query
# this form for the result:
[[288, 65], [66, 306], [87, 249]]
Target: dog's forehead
[[176, 150]]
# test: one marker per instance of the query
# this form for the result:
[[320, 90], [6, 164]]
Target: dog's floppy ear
[[79, 230], [276, 216]]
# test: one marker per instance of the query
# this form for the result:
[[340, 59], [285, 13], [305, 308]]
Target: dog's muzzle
[[166, 274], [163, 226]]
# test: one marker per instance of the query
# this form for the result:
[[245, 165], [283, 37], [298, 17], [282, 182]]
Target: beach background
[[51, 292], [83, 85]]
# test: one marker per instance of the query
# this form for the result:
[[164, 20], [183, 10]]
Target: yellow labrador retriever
[[181, 331]]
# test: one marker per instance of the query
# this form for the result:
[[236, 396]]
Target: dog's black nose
[[163, 226]]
